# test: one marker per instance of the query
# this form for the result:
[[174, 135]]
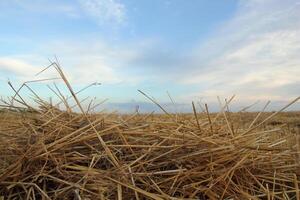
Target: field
[[60, 155], [47, 153]]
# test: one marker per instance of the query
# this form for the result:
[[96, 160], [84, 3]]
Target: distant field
[[286, 120]]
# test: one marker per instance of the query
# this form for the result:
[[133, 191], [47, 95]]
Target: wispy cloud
[[43, 7], [102, 11], [84, 62], [95, 60], [105, 11], [16, 67], [255, 55]]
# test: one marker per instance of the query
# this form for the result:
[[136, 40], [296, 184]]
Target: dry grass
[[47, 153]]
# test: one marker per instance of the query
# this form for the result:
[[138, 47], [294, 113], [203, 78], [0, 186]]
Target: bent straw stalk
[[55, 154]]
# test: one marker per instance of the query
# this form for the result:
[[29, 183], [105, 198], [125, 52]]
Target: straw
[[62, 154]]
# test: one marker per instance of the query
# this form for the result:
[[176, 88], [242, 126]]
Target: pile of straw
[[47, 153]]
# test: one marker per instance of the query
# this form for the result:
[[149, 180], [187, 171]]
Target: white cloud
[[87, 69], [84, 62], [17, 67], [43, 7], [105, 11], [23, 68], [255, 55]]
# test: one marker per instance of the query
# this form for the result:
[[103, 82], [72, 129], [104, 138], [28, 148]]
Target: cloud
[[9, 65], [102, 11], [94, 60], [84, 61], [42, 7], [105, 11], [254, 55]]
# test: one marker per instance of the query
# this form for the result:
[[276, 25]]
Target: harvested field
[[47, 153]]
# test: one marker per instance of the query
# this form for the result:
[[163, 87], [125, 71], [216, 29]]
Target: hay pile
[[48, 153]]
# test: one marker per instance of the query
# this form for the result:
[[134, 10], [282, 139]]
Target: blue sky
[[196, 50]]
